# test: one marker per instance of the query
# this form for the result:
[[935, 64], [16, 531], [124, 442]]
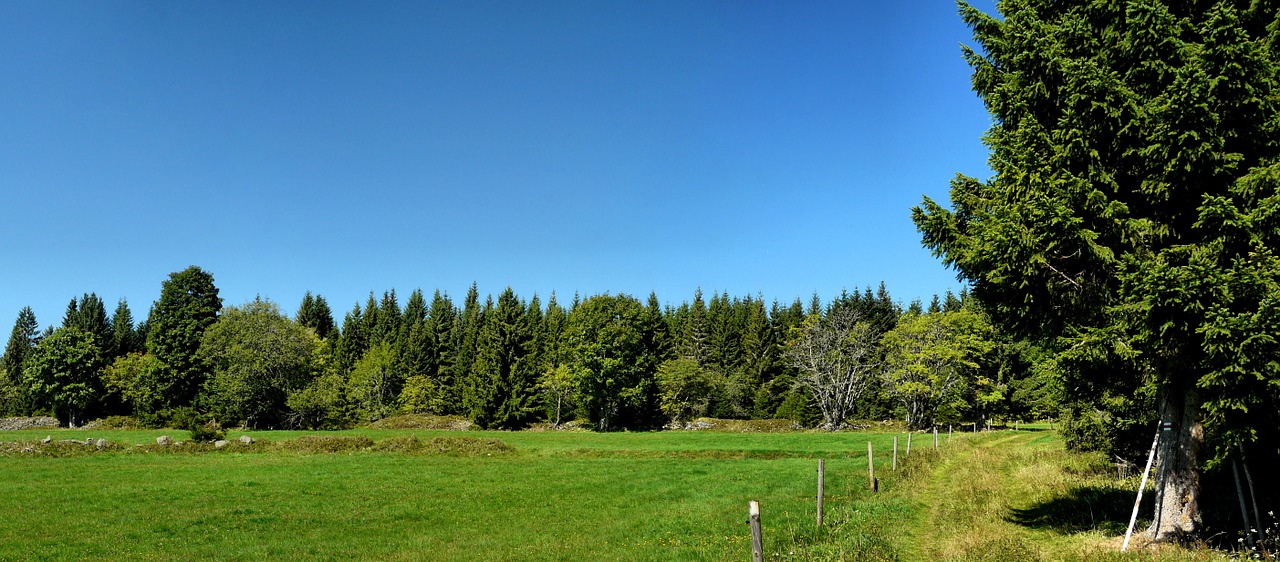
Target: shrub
[[206, 432], [173, 418], [116, 422]]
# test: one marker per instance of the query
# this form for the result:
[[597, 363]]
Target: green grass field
[[562, 496], [558, 496]]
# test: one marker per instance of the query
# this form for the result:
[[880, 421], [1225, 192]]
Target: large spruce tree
[[1132, 219], [188, 305], [22, 341]]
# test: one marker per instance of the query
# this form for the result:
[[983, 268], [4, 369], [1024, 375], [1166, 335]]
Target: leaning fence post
[[908, 442], [822, 470], [757, 540]]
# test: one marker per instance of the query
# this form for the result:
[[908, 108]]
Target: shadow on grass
[[1082, 508]]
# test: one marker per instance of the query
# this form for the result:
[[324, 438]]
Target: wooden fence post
[[757, 539], [908, 442], [935, 439], [822, 471], [871, 465], [895, 453]]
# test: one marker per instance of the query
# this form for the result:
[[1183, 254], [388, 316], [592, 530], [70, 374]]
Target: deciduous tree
[[259, 356], [837, 358]]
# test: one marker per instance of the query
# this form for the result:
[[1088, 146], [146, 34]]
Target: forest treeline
[[607, 361]]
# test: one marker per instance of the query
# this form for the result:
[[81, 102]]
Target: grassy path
[[1011, 496]]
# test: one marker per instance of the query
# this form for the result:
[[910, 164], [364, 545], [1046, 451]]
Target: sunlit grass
[[566, 496]]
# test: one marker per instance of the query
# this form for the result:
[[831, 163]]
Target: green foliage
[[684, 389], [374, 384], [314, 313], [606, 349], [205, 431], [182, 417], [931, 364], [560, 385], [1131, 221], [421, 395], [322, 404], [188, 305], [22, 342], [137, 379], [124, 338], [89, 315], [259, 356], [63, 374], [501, 388]]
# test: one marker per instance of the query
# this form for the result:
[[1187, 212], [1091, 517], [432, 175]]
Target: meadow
[[555, 496], [386, 495]]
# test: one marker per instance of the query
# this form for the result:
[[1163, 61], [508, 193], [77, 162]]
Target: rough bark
[[1177, 477]]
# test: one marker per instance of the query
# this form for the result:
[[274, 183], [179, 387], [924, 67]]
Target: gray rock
[[88, 440], [101, 443], [246, 439], [220, 443], [164, 440], [48, 439]]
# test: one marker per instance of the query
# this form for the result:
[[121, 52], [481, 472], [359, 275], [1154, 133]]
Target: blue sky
[[770, 148]]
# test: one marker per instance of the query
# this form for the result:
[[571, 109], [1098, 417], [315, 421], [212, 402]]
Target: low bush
[[116, 422], [206, 432]]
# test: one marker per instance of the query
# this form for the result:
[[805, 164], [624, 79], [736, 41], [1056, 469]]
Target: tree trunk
[[1177, 477]]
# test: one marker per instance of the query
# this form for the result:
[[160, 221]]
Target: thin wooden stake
[[1257, 517], [822, 471], [871, 465], [895, 453], [1143, 486], [935, 439], [908, 443], [1244, 512], [757, 538]]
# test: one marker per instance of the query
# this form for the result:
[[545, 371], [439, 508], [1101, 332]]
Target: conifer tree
[[314, 313], [440, 329], [188, 305], [89, 315], [22, 342], [1130, 220], [466, 335], [694, 342], [353, 342], [503, 390], [124, 339]]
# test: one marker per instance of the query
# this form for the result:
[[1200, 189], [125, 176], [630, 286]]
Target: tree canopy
[[1131, 218]]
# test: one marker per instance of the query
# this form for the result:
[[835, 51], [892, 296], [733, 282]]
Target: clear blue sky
[[770, 148]]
